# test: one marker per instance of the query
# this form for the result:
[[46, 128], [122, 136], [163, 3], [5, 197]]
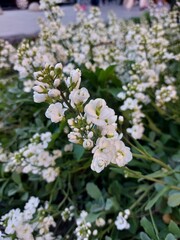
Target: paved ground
[[16, 24]]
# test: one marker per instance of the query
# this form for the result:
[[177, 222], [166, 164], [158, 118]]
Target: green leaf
[[91, 217], [114, 91], [174, 199], [108, 238], [155, 199], [93, 191], [98, 205], [144, 236], [109, 204], [16, 178], [78, 151], [12, 191], [173, 228], [176, 157], [147, 225], [170, 237]]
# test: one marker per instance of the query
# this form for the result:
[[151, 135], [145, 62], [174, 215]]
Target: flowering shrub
[[89, 126]]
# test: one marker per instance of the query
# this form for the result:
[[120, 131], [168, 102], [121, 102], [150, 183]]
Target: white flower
[[53, 93], [28, 85], [57, 82], [50, 174], [109, 131], [100, 222], [39, 97], [121, 119], [74, 137], [104, 153], [67, 214], [58, 66], [38, 88], [99, 113], [46, 138], [55, 112], [129, 103], [78, 96], [24, 231], [121, 95], [88, 144], [121, 223], [123, 153], [136, 131], [75, 79], [68, 147]]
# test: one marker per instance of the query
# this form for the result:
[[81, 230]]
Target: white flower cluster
[[93, 124], [32, 223], [35, 158], [121, 220], [7, 55], [83, 229], [46, 4], [31, 56], [67, 214], [165, 94], [92, 42], [89, 41], [47, 49], [147, 51], [140, 52]]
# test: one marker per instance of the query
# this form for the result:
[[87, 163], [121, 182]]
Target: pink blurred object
[[128, 4], [143, 4], [83, 7]]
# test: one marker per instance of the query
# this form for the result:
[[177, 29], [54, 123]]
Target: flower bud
[[53, 93], [58, 66], [56, 82]]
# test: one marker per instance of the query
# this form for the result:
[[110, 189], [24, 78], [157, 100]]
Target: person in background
[[143, 4], [95, 3]]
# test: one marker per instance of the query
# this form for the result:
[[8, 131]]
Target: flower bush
[[89, 127]]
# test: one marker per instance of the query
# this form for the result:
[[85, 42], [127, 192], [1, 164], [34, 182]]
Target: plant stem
[[68, 104], [161, 163], [141, 197]]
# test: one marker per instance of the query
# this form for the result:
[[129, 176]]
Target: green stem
[[141, 197], [161, 182], [154, 225], [68, 104], [106, 230], [145, 157]]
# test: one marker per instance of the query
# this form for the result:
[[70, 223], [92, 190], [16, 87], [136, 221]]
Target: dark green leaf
[[93, 191]]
